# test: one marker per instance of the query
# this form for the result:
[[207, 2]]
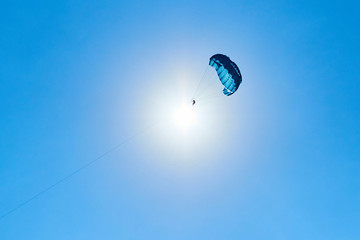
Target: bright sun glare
[[185, 116]]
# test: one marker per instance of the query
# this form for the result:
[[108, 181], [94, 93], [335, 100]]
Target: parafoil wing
[[228, 72]]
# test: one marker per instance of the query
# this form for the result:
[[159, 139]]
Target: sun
[[185, 116]]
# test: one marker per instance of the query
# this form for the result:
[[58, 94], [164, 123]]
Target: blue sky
[[277, 160]]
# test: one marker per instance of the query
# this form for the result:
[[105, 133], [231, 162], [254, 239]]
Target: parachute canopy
[[229, 74]]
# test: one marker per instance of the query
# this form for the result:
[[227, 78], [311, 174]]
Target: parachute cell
[[229, 74]]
